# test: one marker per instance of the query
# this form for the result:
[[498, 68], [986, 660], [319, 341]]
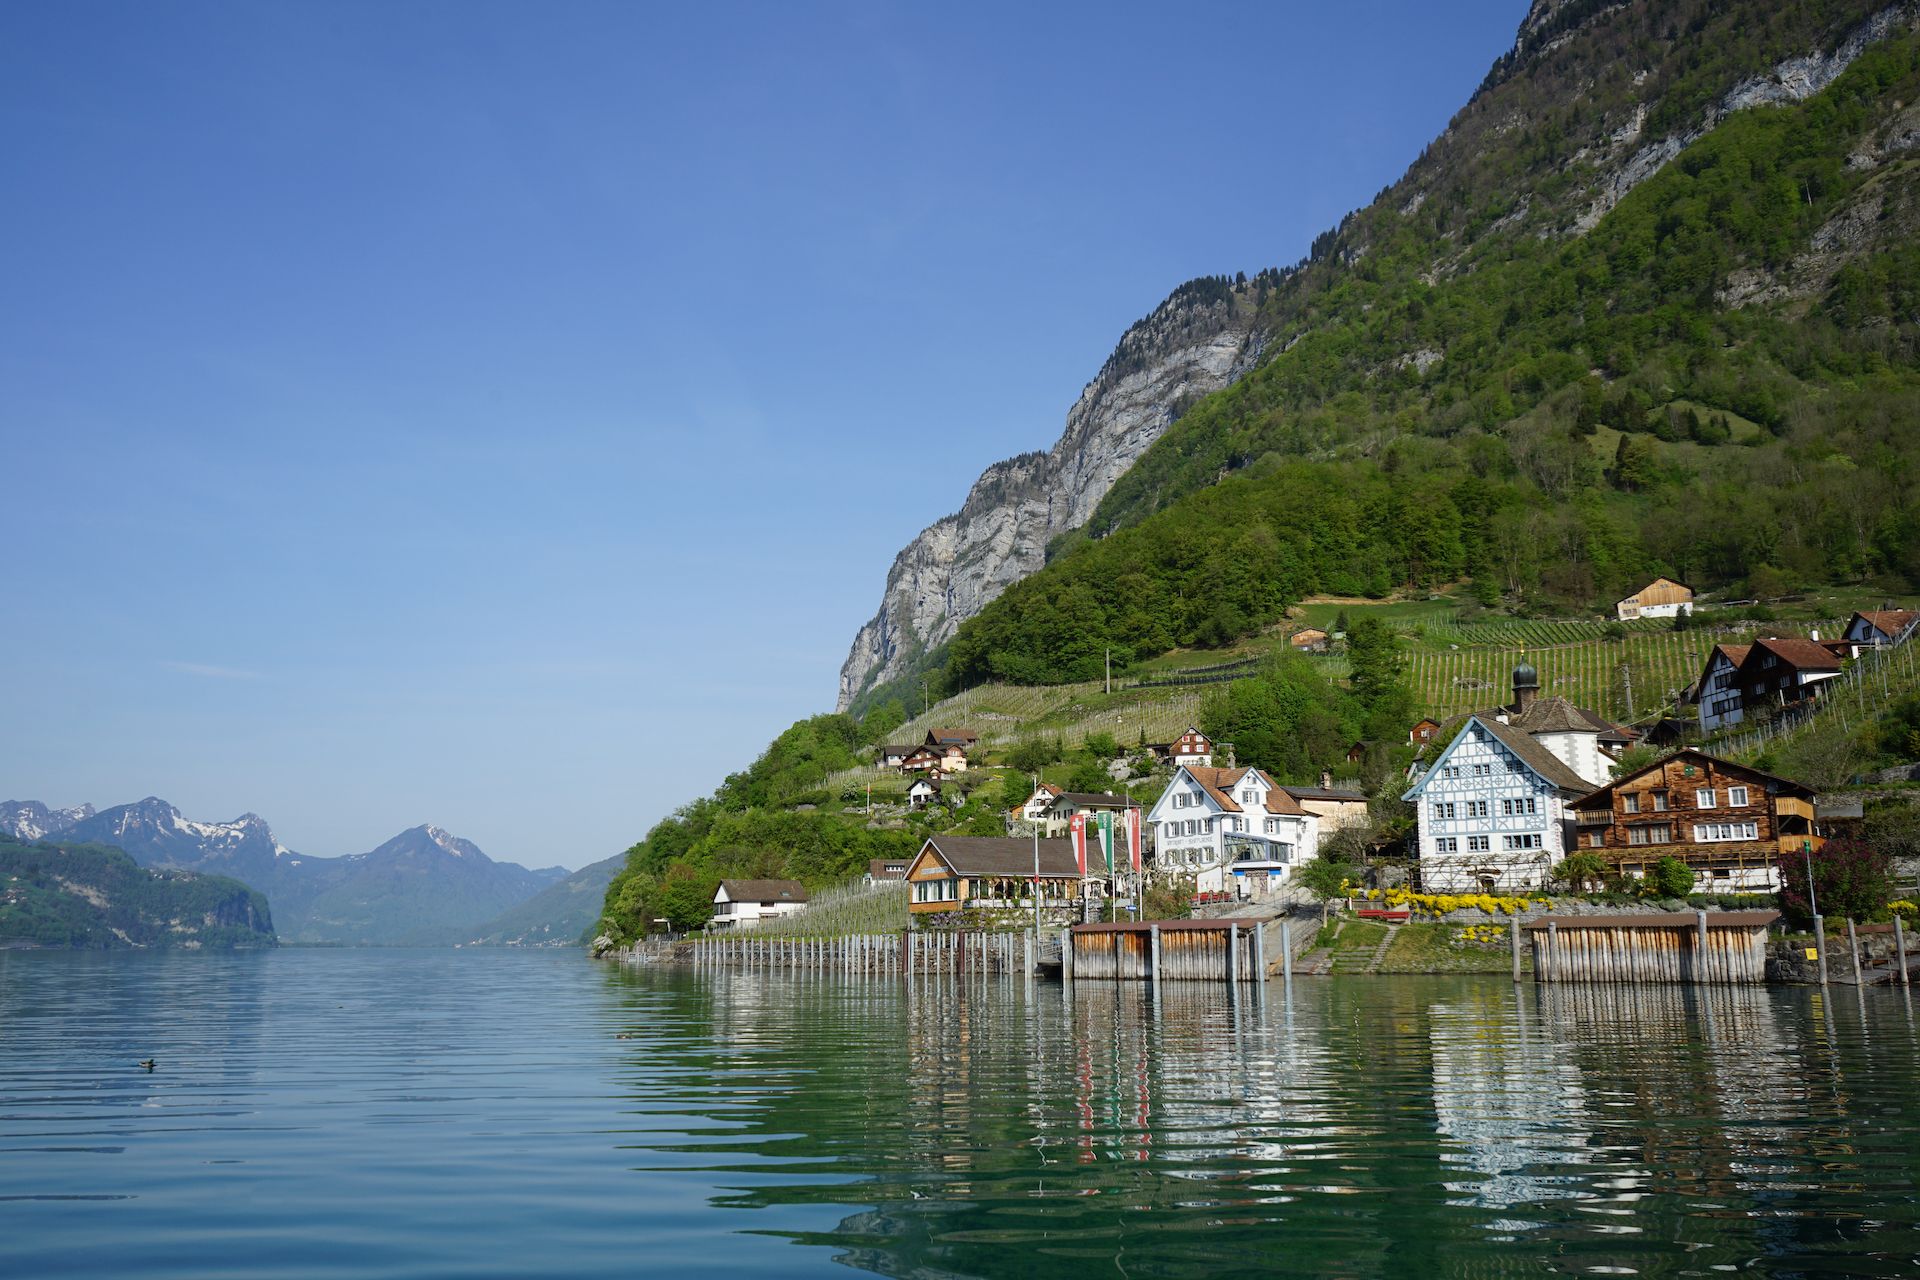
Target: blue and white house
[[1235, 830]]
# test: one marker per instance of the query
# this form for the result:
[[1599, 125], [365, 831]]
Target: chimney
[[1326, 779]]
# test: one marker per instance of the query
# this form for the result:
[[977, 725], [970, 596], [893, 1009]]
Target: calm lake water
[[391, 1113]]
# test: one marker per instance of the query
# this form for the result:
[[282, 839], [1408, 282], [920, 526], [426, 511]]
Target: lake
[[475, 1113]]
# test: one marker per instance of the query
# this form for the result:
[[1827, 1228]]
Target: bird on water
[[149, 1064]]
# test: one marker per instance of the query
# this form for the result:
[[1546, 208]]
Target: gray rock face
[[1196, 342]]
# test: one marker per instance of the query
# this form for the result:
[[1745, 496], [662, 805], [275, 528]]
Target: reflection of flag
[[1106, 839], [1078, 828], [1133, 838]]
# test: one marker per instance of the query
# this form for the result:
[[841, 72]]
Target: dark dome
[[1525, 677]]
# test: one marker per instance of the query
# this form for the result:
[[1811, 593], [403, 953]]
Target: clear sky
[[503, 415]]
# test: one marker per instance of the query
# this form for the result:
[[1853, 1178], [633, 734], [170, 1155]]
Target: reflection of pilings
[[977, 953]]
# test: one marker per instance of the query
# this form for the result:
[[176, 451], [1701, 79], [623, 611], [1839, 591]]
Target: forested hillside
[[1715, 379], [94, 898]]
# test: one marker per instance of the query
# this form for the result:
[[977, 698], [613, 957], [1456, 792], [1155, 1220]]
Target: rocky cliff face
[[1199, 340]]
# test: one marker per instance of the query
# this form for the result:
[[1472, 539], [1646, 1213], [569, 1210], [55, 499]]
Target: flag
[[1133, 837], [1077, 827], [1106, 839]]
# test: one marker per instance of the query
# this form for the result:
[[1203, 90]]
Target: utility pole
[[1036, 872], [1626, 673], [1109, 668]]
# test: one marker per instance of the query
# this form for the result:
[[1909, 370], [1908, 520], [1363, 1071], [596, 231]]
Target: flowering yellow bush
[[1904, 907], [1440, 904], [1481, 935]]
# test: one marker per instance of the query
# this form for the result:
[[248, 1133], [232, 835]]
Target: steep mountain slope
[[29, 820], [559, 915], [1650, 305], [94, 898], [1198, 340], [157, 835]]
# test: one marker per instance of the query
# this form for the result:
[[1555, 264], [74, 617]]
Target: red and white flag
[[1133, 837], [1078, 828]]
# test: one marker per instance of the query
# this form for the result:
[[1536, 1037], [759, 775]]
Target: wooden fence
[[1680, 946], [1204, 950]]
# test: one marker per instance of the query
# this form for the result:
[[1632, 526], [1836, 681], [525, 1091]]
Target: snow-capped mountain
[[426, 886], [29, 820]]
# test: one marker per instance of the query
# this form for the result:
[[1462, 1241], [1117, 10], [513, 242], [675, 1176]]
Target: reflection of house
[[1661, 598], [1879, 629], [955, 872], [1059, 815], [922, 793], [1730, 824], [1309, 640], [741, 904], [1191, 747], [881, 870]]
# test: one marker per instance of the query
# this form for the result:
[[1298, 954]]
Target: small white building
[[1035, 809], [1661, 598], [923, 792], [741, 904], [1493, 811], [1880, 629]]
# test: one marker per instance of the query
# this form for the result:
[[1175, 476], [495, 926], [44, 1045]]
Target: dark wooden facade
[[1729, 823]]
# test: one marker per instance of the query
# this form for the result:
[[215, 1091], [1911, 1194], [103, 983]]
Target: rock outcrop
[[1199, 340]]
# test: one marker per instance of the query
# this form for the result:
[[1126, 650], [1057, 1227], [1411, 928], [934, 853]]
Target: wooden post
[[1233, 953], [1066, 957], [1153, 953], [1551, 954], [1260, 952], [1513, 937], [1853, 945], [1820, 945], [1286, 950], [1900, 950], [1699, 946]]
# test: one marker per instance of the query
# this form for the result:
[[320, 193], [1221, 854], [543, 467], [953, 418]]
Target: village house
[[1717, 692], [924, 758], [1661, 598], [1035, 809], [1880, 629], [1785, 671], [1235, 829], [1309, 640], [955, 873], [1493, 810], [1059, 815], [1422, 733], [893, 755], [924, 791], [885, 870], [1730, 824], [1191, 747], [741, 904]]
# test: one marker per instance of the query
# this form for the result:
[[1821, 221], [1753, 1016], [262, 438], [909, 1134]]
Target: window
[[1713, 832], [1630, 802], [1442, 810], [1520, 842], [1654, 833], [1506, 808], [1246, 797], [1595, 840], [1483, 771], [1736, 797], [1446, 844], [1451, 771], [943, 890], [1659, 801], [1533, 805], [1479, 808], [1703, 798], [1478, 844]]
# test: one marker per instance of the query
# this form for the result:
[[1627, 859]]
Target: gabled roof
[[951, 737], [1544, 764], [762, 891], [899, 748], [1734, 653], [1048, 789], [1219, 784], [1799, 653], [888, 868], [1320, 793], [1888, 621], [1001, 856], [1555, 714], [1599, 797], [1095, 800]]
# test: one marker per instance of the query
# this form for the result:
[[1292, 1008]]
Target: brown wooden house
[[953, 873], [1730, 824]]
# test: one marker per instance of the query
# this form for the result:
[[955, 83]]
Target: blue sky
[[504, 415]]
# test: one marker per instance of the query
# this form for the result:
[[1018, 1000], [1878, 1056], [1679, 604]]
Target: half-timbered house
[[1492, 810]]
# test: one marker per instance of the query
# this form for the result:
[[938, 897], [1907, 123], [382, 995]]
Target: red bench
[[1388, 914]]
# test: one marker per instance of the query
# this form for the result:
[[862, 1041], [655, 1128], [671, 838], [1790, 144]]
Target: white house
[[1879, 629], [1493, 811], [1585, 741], [1234, 829], [1191, 747], [922, 793], [1035, 809], [741, 904]]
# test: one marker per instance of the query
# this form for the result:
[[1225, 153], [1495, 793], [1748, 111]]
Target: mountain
[[94, 898], [1649, 305], [1200, 339], [425, 886], [559, 915], [29, 820]]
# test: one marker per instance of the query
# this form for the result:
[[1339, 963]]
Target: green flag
[[1106, 840]]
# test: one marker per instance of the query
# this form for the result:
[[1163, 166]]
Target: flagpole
[[1036, 873]]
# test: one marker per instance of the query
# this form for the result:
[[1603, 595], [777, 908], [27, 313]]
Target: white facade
[[1488, 821], [1719, 692], [1240, 846], [1581, 753], [729, 913]]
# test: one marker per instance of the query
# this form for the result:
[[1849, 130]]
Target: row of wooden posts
[[976, 952]]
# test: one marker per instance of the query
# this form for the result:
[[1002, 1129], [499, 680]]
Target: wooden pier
[[907, 953], [1149, 950], [1678, 946]]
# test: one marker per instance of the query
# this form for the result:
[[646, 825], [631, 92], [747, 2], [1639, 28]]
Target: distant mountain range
[[424, 887]]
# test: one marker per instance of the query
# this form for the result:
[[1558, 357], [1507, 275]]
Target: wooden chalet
[[1191, 747], [1729, 823], [883, 870], [955, 873], [1420, 735], [1310, 640], [1661, 598], [1781, 671], [893, 755]]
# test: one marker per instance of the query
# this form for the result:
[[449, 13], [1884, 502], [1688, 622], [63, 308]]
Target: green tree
[[1669, 877], [1584, 871], [1325, 878]]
